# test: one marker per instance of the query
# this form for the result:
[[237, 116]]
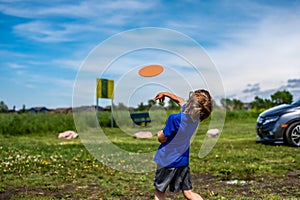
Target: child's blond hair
[[199, 105]]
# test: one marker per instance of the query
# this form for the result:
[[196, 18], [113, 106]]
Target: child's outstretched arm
[[161, 97]]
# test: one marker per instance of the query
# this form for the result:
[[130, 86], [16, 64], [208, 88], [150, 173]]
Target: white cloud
[[63, 22], [78, 9], [16, 66], [72, 64], [43, 32], [7, 54]]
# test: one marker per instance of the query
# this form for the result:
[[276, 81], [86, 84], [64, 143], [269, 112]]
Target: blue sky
[[254, 44]]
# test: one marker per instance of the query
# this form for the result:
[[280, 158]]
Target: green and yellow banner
[[105, 88]]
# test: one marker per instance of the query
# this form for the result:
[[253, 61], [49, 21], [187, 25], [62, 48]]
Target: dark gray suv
[[280, 123]]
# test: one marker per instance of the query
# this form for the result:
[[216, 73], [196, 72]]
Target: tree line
[[277, 98]]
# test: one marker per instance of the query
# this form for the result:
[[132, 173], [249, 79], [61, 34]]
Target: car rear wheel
[[293, 134]]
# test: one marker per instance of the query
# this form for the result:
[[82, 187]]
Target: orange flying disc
[[151, 70]]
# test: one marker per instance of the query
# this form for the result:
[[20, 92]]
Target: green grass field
[[40, 166]]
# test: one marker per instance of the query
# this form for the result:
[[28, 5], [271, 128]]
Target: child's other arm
[[161, 97], [161, 137]]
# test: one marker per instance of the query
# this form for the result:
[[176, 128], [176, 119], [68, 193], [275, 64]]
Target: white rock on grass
[[213, 133], [143, 135]]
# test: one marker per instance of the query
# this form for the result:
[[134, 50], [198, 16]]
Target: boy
[[172, 156]]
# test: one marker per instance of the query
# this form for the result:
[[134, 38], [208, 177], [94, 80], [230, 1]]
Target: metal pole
[[97, 106], [111, 115]]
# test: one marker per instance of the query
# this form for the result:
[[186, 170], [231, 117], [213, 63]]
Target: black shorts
[[177, 179]]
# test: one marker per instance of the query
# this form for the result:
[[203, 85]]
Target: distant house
[[38, 110], [247, 106], [107, 108], [12, 111]]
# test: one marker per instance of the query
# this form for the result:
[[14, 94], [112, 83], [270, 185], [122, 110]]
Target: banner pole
[[111, 114], [97, 106], [97, 99]]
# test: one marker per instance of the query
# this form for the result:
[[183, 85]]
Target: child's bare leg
[[158, 195], [190, 195]]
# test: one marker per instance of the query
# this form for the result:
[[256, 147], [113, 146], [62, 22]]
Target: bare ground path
[[287, 187]]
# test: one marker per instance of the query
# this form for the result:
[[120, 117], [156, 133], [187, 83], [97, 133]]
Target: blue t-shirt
[[175, 151]]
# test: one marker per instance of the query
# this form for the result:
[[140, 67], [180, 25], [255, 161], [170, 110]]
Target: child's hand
[[161, 137], [160, 96]]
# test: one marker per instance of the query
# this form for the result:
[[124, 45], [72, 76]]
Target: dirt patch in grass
[[263, 187], [209, 186], [70, 191]]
